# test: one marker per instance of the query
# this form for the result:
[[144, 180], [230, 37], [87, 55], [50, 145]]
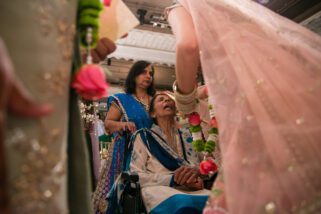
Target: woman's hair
[[137, 69], [152, 103], [152, 106]]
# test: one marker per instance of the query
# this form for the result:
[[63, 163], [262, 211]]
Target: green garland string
[[210, 145], [199, 143], [88, 16], [194, 129]]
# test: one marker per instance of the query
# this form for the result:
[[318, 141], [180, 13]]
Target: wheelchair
[[131, 201]]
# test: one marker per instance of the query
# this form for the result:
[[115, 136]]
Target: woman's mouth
[[168, 106]]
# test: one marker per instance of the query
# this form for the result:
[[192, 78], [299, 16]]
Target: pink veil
[[263, 73]]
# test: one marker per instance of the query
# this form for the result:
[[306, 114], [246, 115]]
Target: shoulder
[[119, 97], [140, 133], [138, 137]]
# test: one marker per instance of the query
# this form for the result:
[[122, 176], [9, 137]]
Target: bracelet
[[186, 103]]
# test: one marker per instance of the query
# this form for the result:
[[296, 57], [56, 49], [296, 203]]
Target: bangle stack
[[185, 103]]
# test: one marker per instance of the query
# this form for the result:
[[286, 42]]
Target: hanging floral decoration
[[107, 3], [89, 11], [208, 165], [90, 81], [212, 139], [196, 130]]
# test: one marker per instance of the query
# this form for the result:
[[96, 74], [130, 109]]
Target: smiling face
[[144, 79], [163, 106]]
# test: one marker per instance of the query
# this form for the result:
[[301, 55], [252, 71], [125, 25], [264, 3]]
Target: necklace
[[146, 106]]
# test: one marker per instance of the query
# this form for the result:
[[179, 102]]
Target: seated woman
[[166, 163]]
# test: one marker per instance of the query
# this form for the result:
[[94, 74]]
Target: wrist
[[120, 125], [186, 103]]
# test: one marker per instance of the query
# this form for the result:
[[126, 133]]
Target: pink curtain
[[263, 72]]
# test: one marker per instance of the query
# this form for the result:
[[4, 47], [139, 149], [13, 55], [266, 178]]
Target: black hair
[[137, 69], [152, 106], [152, 103]]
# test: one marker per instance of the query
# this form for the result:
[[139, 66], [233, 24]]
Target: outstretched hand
[[130, 126]]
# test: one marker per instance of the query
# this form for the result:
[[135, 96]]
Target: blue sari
[[132, 111]]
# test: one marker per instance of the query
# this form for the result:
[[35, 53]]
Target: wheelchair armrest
[[130, 176]]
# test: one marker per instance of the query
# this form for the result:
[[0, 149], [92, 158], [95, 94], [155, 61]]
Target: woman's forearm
[[113, 126], [187, 50]]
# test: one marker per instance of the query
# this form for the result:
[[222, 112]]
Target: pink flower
[[213, 122], [107, 3], [90, 82], [207, 166], [194, 119]]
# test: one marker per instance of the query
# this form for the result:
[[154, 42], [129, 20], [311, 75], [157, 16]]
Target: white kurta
[[155, 179]]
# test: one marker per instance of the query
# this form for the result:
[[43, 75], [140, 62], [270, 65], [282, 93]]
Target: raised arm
[[187, 51]]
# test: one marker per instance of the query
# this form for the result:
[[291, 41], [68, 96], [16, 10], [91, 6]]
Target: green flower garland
[[195, 128], [88, 16], [198, 142]]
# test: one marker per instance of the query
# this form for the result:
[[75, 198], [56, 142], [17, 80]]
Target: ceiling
[[297, 10], [154, 9], [156, 47], [157, 44]]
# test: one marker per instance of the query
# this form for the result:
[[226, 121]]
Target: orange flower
[[90, 82]]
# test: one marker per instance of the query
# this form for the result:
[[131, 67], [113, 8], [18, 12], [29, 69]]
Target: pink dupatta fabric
[[263, 72]]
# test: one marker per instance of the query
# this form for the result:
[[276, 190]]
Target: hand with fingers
[[185, 175], [130, 126], [104, 47], [197, 184]]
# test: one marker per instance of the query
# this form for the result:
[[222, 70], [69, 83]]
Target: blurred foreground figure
[[263, 73]]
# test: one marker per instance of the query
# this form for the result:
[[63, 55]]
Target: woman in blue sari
[[166, 163], [127, 112]]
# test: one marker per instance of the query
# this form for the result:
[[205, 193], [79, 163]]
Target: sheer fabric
[[264, 74]]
